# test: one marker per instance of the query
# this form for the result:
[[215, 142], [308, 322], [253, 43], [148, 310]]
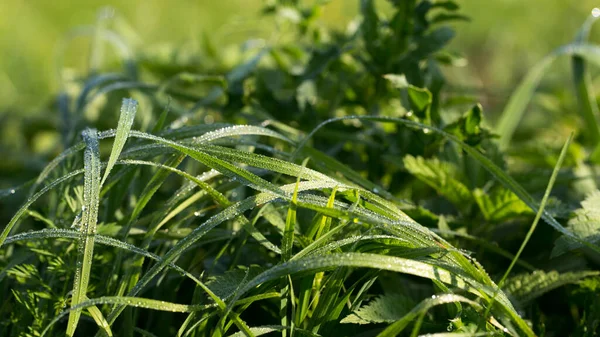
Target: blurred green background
[[502, 41]]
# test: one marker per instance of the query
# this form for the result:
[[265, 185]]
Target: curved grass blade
[[538, 215], [137, 302], [89, 218], [496, 171], [14, 220], [314, 264], [397, 327], [515, 108], [227, 214], [128, 110]]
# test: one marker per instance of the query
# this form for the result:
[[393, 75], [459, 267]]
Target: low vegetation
[[318, 183]]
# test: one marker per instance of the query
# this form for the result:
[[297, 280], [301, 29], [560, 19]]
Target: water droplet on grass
[[13, 191], [596, 12]]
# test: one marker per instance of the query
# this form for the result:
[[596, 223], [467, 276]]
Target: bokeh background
[[502, 41]]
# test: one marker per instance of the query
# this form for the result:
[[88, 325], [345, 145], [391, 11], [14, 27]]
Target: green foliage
[[223, 208]]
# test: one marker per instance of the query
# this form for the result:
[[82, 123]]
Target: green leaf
[[585, 224], [383, 309], [500, 204], [420, 101], [529, 286], [442, 176]]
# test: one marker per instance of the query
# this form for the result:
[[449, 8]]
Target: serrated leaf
[[442, 176], [585, 224], [383, 309], [226, 284], [500, 204], [527, 287]]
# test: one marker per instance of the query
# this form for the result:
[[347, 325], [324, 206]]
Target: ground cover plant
[[320, 182]]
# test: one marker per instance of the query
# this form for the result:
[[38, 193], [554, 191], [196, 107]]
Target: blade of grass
[[88, 225], [538, 215], [515, 108], [496, 171], [583, 86], [128, 110]]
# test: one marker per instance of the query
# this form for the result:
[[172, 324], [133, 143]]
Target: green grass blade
[[227, 214], [583, 86], [89, 219], [128, 110], [538, 215], [561, 158], [14, 220], [487, 164], [398, 326], [137, 302], [515, 108]]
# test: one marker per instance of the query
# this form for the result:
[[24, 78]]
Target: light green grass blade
[[227, 214], [137, 302], [561, 158], [89, 218], [128, 110], [515, 108], [538, 215], [99, 319]]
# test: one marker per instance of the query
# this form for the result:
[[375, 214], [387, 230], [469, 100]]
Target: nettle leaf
[[585, 224], [226, 284], [443, 176], [500, 204], [527, 287], [383, 309]]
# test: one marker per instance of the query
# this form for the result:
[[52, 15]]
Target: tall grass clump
[[323, 184]]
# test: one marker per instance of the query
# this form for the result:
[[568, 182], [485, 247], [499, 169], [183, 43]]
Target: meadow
[[300, 168]]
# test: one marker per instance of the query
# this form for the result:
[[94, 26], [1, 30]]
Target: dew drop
[[375, 190], [596, 12], [198, 213], [426, 131], [13, 191], [433, 297]]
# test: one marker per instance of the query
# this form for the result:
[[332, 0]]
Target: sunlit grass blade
[[226, 214], [515, 108], [128, 109], [538, 215], [137, 302], [100, 320], [89, 219]]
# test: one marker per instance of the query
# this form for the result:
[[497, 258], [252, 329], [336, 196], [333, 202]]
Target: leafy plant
[[322, 184]]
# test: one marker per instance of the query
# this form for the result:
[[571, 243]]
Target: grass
[[319, 185]]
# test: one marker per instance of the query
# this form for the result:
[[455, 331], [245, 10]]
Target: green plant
[[233, 211]]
